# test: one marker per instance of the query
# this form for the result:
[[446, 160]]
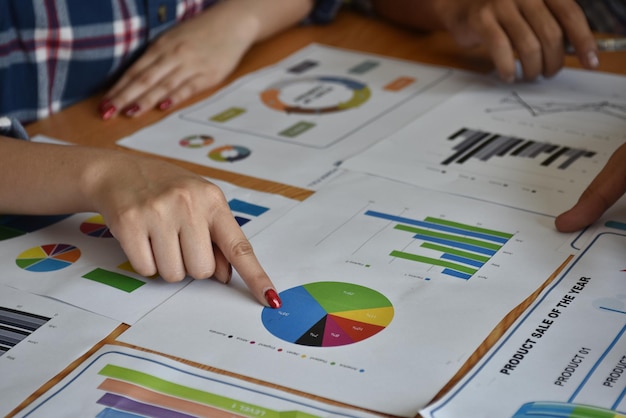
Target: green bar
[[591, 412], [297, 129], [228, 114], [196, 395], [116, 280], [364, 67], [454, 251], [433, 261], [469, 227], [450, 237]]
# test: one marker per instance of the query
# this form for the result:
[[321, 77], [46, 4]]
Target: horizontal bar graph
[[15, 326], [133, 393], [483, 146], [463, 249]]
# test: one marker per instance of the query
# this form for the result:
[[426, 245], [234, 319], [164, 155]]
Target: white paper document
[[75, 258], [303, 115], [534, 146], [387, 289], [121, 382], [40, 337], [566, 357]]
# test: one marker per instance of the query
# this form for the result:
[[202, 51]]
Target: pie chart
[[48, 257], [229, 153], [328, 314], [95, 227]]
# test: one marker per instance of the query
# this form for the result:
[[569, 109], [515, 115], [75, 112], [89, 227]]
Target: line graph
[[544, 107]]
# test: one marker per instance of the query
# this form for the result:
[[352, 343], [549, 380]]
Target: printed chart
[[328, 314], [536, 147], [75, 259], [39, 337], [305, 114], [96, 227], [368, 269], [48, 257], [121, 382], [571, 345]]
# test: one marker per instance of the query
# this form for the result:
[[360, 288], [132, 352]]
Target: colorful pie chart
[[48, 257], [229, 153], [95, 227], [271, 97], [196, 141], [328, 314]]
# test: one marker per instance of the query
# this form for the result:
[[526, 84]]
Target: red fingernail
[[104, 104], [165, 104], [272, 299], [131, 110], [107, 111]]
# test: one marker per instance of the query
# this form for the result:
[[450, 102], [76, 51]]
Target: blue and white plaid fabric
[[607, 16], [56, 52]]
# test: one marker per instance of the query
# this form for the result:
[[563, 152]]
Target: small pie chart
[[229, 153], [48, 257], [328, 314], [96, 227]]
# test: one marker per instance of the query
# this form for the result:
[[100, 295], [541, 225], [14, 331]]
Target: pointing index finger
[[229, 237]]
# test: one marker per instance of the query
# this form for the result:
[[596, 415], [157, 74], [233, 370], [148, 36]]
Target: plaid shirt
[[56, 52]]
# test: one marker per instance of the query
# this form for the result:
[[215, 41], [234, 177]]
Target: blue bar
[[114, 413], [616, 225], [463, 260], [237, 205], [455, 244], [438, 227], [458, 274], [241, 220]]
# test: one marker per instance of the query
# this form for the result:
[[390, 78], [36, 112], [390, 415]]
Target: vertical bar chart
[[15, 326], [483, 146], [461, 249]]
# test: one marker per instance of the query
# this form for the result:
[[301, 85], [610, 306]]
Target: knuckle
[[242, 248]]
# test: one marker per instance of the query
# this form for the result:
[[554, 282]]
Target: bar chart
[[483, 146], [459, 249], [125, 383], [16, 326]]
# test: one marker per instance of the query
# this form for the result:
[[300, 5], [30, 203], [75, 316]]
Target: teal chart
[[328, 314]]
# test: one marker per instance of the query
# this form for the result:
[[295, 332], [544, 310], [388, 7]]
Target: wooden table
[[81, 123]]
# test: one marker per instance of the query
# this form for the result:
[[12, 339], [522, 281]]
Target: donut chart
[[95, 227], [360, 94], [328, 314], [48, 257], [195, 141], [229, 153]]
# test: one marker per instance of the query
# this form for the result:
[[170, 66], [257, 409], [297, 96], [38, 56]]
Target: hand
[[171, 221], [608, 186], [533, 30], [194, 55]]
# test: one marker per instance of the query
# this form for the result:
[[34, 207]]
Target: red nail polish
[[165, 104], [272, 299], [107, 111], [132, 109], [104, 105]]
